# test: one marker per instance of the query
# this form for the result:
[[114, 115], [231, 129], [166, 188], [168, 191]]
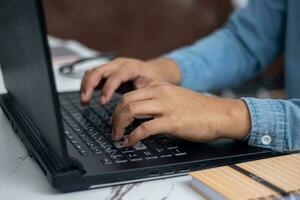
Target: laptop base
[[84, 175]]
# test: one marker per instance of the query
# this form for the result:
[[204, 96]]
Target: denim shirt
[[242, 49]]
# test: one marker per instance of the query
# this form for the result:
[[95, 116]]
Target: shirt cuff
[[267, 123]]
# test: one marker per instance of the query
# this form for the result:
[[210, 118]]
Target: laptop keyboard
[[87, 128]]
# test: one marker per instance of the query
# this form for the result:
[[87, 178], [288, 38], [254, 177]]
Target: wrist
[[237, 123], [165, 70]]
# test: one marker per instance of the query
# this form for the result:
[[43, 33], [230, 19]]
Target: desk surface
[[21, 177]]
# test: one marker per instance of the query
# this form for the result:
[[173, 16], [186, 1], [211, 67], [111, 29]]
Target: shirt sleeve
[[275, 124], [242, 49]]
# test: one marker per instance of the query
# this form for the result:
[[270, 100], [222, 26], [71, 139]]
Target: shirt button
[[266, 140]]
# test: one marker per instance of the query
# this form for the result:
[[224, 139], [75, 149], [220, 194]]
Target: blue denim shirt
[[242, 49]]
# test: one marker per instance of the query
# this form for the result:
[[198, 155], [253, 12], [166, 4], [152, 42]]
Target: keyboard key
[[139, 146], [77, 116], [107, 147], [118, 158], [127, 149], [106, 133], [64, 102], [101, 113], [88, 124], [85, 138], [149, 141], [96, 150], [85, 111], [73, 124], [106, 161], [118, 145], [148, 154], [91, 144], [83, 152], [112, 152], [75, 142], [177, 152], [69, 136], [133, 156], [160, 150], [168, 143], [102, 143], [71, 96], [78, 146], [95, 120]]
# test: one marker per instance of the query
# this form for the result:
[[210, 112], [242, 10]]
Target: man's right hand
[[120, 70]]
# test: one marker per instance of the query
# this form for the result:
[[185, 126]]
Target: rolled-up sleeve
[[251, 39]]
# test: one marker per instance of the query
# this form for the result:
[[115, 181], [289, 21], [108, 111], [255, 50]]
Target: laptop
[[71, 143]]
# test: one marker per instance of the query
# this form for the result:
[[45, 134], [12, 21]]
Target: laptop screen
[[27, 71]]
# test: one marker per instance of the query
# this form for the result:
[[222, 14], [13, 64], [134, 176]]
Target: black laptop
[[71, 143]]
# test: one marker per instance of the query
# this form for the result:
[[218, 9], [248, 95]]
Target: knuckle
[[115, 77], [165, 87], [125, 99], [130, 108], [128, 61], [121, 59], [129, 65], [103, 68], [93, 70], [105, 65], [87, 72], [144, 127]]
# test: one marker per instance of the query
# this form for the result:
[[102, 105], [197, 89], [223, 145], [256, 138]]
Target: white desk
[[21, 177]]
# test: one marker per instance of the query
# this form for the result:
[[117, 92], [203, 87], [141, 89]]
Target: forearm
[[215, 62], [242, 49]]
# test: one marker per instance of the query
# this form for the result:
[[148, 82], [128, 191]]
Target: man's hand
[[122, 70], [180, 112]]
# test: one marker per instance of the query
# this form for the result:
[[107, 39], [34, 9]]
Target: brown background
[[142, 28], [136, 28]]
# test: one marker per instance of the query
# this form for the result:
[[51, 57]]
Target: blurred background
[[147, 28]]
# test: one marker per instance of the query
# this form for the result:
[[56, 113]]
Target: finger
[[83, 80], [91, 80], [146, 129], [93, 77], [124, 74], [82, 93], [136, 95], [126, 116]]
